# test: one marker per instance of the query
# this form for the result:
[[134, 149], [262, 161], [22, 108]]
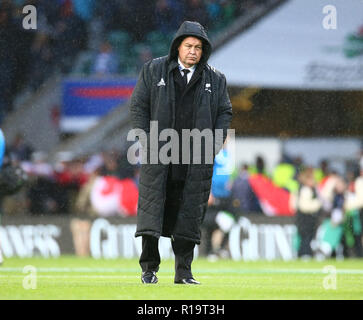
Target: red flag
[[274, 201], [112, 196]]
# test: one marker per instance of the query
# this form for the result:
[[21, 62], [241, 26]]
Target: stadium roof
[[290, 48]]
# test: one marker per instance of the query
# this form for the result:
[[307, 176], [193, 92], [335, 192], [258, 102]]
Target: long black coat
[[153, 99]]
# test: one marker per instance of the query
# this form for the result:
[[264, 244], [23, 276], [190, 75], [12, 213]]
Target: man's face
[[190, 51]]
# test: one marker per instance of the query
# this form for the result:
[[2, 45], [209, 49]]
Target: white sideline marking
[[68, 270], [215, 271]]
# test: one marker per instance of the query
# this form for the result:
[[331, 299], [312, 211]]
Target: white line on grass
[[212, 271], [70, 276], [82, 276]]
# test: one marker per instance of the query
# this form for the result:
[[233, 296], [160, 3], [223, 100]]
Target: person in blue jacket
[[220, 216], [2, 152], [2, 147]]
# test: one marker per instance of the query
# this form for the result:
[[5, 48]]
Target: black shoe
[[187, 281], [149, 277]]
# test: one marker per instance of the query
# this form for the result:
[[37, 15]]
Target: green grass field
[[87, 278]]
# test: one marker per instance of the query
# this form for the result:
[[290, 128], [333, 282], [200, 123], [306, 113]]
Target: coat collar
[[181, 66], [172, 65]]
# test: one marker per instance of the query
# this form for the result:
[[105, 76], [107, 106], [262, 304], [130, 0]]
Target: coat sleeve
[[140, 101], [224, 112]]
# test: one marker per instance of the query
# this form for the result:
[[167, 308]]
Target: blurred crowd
[[64, 186], [103, 29], [326, 206], [28, 57]]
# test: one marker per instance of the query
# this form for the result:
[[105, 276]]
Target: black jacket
[[153, 99], [184, 107]]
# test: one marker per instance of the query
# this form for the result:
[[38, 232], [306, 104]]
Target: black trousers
[[306, 227], [183, 249]]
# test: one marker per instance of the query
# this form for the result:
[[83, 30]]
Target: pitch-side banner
[[303, 44], [253, 237]]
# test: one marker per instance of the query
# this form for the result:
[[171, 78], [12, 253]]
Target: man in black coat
[[179, 91]]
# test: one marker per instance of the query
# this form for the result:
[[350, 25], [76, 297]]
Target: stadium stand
[[71, 34]]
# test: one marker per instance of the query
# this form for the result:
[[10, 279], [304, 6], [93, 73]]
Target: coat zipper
[[197, 98], [167, 172]]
